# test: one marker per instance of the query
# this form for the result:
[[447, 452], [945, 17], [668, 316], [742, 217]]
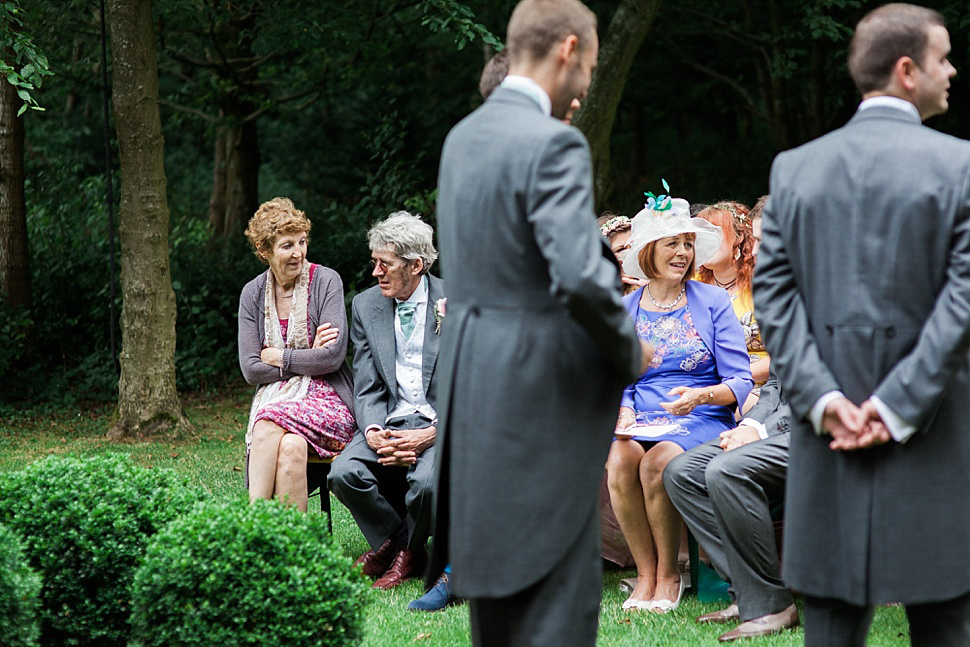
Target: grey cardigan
[[325, 304]]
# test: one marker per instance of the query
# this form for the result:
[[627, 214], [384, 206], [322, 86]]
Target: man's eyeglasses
[[384, 265]]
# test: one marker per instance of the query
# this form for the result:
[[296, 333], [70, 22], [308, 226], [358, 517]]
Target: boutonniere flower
[[439, 314]]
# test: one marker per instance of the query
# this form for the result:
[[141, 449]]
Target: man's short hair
[[537, 25], [495, 71], [884, 36], [409, 237], [758, 210]]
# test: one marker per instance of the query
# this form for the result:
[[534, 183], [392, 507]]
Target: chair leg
[[317, 473], [694, 560], [325, 498]]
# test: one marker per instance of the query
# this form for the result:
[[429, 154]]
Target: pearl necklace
[[665, 306]]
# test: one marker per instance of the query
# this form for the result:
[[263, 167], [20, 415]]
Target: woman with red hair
[[732, 268]]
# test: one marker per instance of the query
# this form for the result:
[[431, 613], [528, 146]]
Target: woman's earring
[[737, 253]]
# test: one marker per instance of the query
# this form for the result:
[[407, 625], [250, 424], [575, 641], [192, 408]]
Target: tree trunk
[[14, 257], [235, 182], [217, 198], [235, 194], [595, 118], [148, 404]]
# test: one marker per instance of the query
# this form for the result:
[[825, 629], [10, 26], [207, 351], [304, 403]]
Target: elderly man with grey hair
[[386, 473]]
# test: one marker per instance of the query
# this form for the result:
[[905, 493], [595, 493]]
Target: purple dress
[[681, 358]]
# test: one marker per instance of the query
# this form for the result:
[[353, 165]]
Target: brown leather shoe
[[375, 563], [730, 614], [763, 626], [406, 564]]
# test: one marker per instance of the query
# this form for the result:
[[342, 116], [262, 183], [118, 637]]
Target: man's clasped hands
[[853, 427]]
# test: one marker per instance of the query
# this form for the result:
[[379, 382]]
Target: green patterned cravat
[[405, 310]]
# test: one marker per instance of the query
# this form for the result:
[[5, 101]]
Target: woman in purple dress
[[293, 344], [700, 371]]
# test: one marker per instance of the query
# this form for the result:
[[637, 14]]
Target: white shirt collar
[[420, 294], [530, 88], [886, 101]]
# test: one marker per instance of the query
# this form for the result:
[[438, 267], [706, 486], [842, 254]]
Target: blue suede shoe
[[436, 599]]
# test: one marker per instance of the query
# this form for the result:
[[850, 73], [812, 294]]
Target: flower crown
[[740, 217], [613, 224]]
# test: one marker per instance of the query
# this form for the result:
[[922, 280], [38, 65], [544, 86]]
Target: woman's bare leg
[[291, 484], [626, 496], [665, 522], [263, 458]]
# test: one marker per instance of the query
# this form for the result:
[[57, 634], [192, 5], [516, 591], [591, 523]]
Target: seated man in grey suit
[[725, 490], [385, 474]]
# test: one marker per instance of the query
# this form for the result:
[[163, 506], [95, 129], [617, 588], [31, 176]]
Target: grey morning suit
[[726, 499], [863, 285], [379, 496], [536, 350]]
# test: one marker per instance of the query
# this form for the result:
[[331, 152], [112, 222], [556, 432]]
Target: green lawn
[[214, 460]]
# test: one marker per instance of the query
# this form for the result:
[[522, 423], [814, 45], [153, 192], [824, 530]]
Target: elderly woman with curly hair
[[293, 344], [732, 268]]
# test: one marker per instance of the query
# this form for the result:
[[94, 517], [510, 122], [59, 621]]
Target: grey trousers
[[834, 623], [726, 499], [380, 497], [560, 610]]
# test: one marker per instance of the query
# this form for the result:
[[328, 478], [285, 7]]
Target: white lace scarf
[[294, 388]]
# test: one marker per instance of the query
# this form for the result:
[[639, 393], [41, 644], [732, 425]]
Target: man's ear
[[568, 46], [904, 72], [418, 266]]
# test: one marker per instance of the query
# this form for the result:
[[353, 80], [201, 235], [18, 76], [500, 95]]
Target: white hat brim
[[707, 240]]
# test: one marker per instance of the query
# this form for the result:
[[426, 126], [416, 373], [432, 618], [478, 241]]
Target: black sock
[[400, 536]]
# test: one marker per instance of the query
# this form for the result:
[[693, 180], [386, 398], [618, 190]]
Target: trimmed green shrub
[[19, 594], [246, 574], [85, 524]]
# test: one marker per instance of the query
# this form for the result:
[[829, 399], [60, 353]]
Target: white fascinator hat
[[666, 217]]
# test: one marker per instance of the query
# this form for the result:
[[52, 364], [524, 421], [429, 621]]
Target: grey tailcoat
[[536, 346], [863, 285], [375, 379]]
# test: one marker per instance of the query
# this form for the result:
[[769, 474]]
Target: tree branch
[[733, 84], [291, 97], [187, 110]]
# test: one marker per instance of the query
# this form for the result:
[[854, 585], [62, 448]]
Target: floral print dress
[[681, 358], [743, 305], [321, 417]]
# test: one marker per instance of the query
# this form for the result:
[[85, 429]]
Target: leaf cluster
[[22, 64], [456, 18], [19, 593], [247, 574], [85, 525]]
